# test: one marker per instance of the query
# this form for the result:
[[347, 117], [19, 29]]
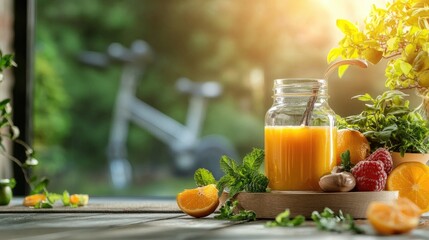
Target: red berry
[[383, 156], [370, 176]]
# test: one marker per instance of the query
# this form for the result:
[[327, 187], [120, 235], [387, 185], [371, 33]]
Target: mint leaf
[[254, 159], [228, 165], [283, 220], [245, 176], [224, 181], [203, 177], [345, 161], [258, 183]]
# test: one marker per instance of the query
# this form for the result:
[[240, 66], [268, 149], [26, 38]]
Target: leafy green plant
[[329, 221], [244, 176], [398, 32], [387, 121], [11, 132]]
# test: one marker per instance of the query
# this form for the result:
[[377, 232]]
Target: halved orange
[[396, 217], [32, 200], [411, 179], [200, 201]]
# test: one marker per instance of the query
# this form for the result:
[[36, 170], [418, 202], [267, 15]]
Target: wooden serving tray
[[269, 205]]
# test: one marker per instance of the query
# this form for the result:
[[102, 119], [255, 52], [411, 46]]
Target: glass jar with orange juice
[[300, 135]]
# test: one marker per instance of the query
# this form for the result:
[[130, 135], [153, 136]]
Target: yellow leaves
[[346, 27], [405, 67], [392, 43], [333, 54]]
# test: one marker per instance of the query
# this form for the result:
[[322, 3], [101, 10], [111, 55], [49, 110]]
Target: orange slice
[[396, 217], [199, 202], [411, 179], [32, 200]]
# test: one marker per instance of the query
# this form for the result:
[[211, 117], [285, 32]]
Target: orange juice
[[297, 156]]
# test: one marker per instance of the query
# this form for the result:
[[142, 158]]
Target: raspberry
[[383, 156], [370, 175]]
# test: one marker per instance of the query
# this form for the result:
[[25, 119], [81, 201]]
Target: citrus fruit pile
[[199, 202]]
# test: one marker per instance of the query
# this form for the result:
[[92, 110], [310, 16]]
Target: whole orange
[[355, 142]]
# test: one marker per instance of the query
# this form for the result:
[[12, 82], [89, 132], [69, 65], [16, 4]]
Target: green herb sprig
[[283, 220], [245, 176], [228, 212], [345, 161], [329, 221]]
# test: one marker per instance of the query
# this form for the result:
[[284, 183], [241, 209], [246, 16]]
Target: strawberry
[[383, 156], [370, 175]]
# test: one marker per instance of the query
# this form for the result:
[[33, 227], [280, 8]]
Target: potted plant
[[399, 33], [387, 121]]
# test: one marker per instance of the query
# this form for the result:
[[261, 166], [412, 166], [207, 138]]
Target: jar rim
[[282, 81], [300, 87]]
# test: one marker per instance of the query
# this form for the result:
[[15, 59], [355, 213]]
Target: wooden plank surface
[[162, 225], [102, 205]]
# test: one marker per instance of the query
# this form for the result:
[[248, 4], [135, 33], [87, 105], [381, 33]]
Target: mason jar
[[300, 135]]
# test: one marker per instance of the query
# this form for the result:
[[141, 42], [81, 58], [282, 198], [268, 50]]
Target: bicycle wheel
[[209, 151]]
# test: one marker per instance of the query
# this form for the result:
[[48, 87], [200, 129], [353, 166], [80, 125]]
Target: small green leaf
[[203, 177], [329, 221], [345, 161], [283, 220], [227, 212], [66, 198], [228, 165], [52, 197], [224, 181], [258, 183], [40, 186]]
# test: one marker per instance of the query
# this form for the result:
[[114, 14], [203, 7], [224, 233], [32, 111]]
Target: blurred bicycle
[[188, 149]]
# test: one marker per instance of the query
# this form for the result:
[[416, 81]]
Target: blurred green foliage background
[[222, 40]]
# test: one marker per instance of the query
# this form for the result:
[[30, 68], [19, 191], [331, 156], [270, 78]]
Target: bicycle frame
[[182, 139], [130, 108]]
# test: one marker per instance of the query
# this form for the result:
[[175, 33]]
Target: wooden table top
[[153, 219]]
